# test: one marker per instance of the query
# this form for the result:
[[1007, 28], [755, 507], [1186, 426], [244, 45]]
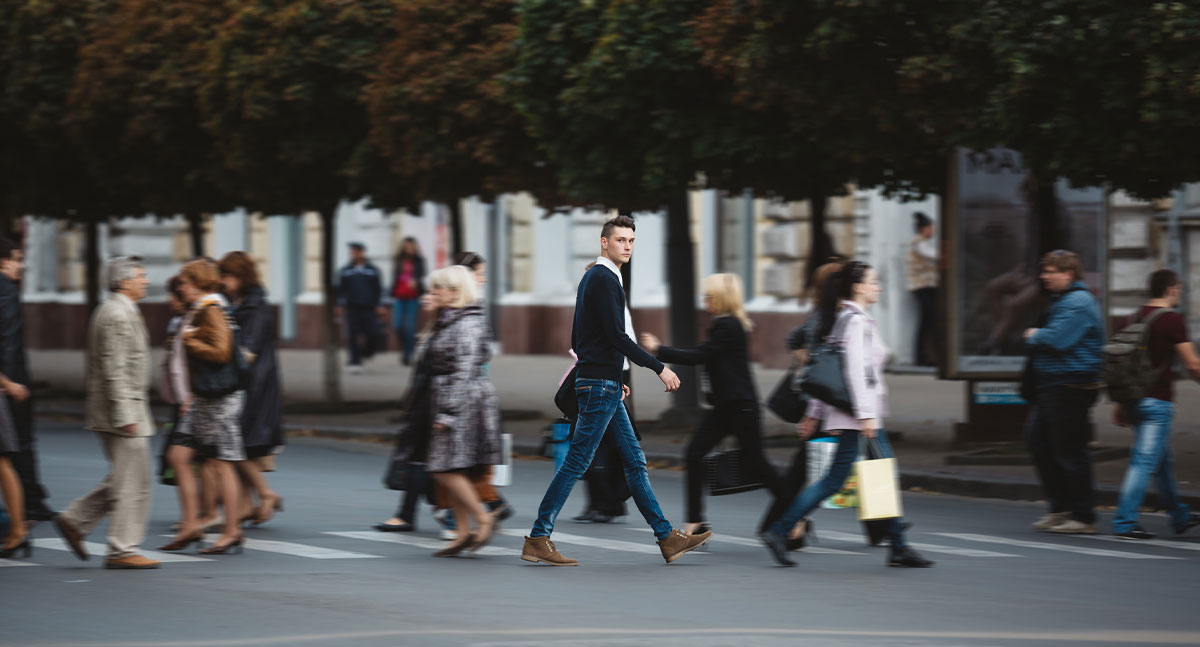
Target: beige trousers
[[123, 495]]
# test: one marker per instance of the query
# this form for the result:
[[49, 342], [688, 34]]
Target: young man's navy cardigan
[[598, 335]]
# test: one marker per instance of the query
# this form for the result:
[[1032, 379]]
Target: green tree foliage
[[133, 111]]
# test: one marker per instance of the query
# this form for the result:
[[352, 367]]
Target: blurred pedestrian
[[360, 290], [1065, 354], [599, 339], [465, 437], [261, 419], [412, 443], [1152, 416], [408, 284], [210, 418], [725, 355], [17, 538], [923, 283], [118, 381], [14, 363], [845, 319]]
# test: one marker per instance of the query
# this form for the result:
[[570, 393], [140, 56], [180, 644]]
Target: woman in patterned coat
[[465, 439]]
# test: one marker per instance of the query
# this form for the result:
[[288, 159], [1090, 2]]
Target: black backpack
[[1128, 371]]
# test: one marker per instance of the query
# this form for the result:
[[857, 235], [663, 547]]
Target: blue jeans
[[404, 321], [1149, 457], [834, 479], [600, 412]]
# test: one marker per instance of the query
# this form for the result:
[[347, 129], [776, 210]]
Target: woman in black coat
[[262, 415], [726, 359]]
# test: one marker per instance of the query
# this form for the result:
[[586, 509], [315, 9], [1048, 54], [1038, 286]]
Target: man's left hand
[[1029, 332], [624, 392], [130, 430]]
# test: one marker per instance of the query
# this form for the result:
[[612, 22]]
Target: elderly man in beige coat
[[118, 410]]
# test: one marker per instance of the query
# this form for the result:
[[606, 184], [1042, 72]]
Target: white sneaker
[[1051, 520], [1073, 527], [449, 535]]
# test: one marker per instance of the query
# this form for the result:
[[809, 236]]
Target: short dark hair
[[1161, 281], [1064, 261], [619, 221], [7, 247]]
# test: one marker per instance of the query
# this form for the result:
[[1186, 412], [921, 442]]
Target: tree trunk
[[196, 233], [681, 268], [1045, 210], [92, 266], [456, 228], [329, 338], [821, 245]]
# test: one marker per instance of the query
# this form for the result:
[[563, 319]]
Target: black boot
[[777, 545], [908, 558]]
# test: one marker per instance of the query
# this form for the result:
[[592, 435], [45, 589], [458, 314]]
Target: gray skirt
[[211, 426]]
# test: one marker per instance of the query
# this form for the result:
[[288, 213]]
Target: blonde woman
[[465, 438], [725, 356]]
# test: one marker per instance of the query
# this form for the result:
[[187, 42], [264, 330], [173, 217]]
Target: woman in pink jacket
[[845, 319]]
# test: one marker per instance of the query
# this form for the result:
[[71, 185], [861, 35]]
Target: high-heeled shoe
[[25, 547], [228, 548], [796, 543], [180, 543], [457, 547], [483, 538], [264, 513]]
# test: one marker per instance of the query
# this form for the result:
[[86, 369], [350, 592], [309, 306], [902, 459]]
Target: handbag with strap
[[726, 473], [786, 400], [825, 376]]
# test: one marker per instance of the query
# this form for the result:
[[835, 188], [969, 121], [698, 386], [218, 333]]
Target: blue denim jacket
[[1067, 350]]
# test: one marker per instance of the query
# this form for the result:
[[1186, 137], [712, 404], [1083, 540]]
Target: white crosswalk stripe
[[595, 542], [1081, 550], [4, 563], [744, 541], [930, 548], [98, 550], [419, 542], [1177, 545], [304, 550]]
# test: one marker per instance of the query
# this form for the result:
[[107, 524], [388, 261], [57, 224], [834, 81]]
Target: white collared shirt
[[607, 262]]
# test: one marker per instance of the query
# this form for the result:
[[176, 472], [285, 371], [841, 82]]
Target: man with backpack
[[1138, 368], [1065, 355]]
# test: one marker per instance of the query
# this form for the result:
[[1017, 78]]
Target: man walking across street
[[118, 409], [14, 365], [360, 288], [1152, 415], [1066, 359], [600, 340]]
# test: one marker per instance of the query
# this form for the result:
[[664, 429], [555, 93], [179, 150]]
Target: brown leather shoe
[[541, 549], [131, 562], [679, 542], [73, 537]]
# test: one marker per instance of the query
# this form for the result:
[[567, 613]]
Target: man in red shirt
[[1150, 455]]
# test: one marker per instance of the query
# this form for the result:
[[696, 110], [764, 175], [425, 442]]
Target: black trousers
[[927, 332], [740, 420], [25, 460], [790, 486], [362, 333], [1057, 432]]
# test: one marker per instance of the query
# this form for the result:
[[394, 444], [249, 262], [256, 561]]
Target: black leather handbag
[[825, 376], [726, 473], [786, 400], [565, 398]]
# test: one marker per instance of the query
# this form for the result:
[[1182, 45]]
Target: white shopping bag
[[502, 474], [878, 492]]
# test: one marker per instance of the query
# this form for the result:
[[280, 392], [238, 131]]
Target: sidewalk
[[924, 411]]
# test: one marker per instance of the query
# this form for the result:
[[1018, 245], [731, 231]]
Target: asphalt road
[[317, 575]]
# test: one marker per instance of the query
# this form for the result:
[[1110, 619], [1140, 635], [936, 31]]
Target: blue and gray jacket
[[1068, 348]]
